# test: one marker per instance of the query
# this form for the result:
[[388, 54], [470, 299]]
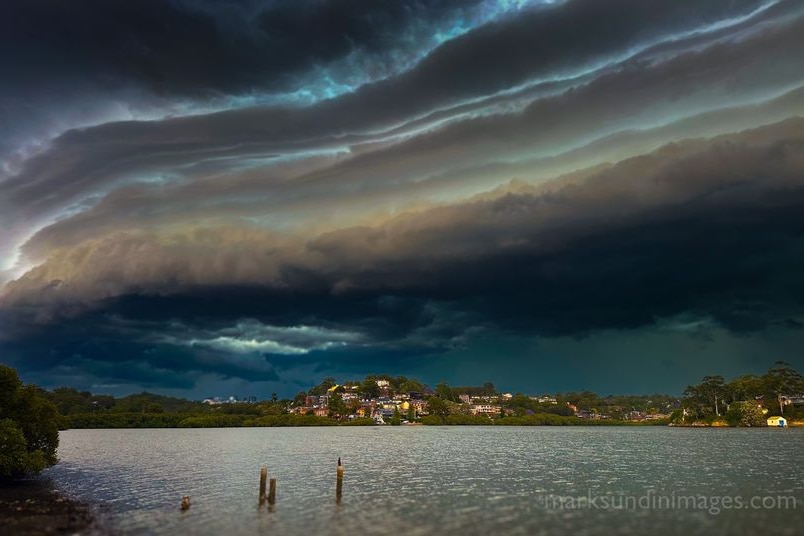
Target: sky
[[205, 198]]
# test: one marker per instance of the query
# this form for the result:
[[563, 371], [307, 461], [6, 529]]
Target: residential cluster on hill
[[744, 401], [401, 399]]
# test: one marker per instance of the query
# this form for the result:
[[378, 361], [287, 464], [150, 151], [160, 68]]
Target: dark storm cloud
[[199, 47], [225, 233], [573, 37], [711, 230], [81, 162], [84, 64], [104, 347]]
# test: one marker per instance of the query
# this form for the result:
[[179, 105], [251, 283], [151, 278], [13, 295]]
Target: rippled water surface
[[445, 480]]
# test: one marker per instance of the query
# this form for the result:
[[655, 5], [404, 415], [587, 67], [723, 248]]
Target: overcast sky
[[237, 198]]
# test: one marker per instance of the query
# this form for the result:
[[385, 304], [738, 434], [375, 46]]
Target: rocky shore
[[31, 507]]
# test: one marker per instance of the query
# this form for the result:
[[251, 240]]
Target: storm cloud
[[457, 173]]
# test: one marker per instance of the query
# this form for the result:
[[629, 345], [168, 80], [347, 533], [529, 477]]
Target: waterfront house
[[780, 422], [484, 409]]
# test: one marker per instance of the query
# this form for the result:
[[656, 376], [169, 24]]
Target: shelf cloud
[[255, 193]]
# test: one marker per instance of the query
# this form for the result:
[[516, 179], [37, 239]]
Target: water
[[447, 480]]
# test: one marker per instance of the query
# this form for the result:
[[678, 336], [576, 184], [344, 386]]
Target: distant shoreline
[[491, 423], [790, 424], [167, 420]]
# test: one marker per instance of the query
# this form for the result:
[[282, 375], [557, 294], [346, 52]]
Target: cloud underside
[[328, 181], [707, 229]]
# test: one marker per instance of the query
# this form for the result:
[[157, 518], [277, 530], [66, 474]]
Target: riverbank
[[32, 507], [178, 420], [724, 424]]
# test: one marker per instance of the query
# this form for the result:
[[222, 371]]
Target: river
[[441, 480]]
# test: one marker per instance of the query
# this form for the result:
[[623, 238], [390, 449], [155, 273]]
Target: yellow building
[[779, 422]]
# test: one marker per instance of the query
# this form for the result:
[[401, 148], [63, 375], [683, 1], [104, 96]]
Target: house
[[779, 422], [484, 409]]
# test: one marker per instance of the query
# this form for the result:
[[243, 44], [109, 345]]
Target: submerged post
[[185, 503], [263, 478], [339, 485], [272, 492]]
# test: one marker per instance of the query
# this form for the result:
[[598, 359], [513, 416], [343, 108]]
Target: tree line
[[29, 427], [30, 417], [743, 399]]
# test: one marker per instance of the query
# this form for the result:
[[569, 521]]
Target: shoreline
[[34, 506]]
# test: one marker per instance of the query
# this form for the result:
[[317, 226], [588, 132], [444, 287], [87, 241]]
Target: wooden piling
[[272, 492], [185, 503], [263, 478], [339, 484]]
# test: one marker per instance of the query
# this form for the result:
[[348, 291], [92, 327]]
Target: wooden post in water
[[272, 492], [339, 485], [263, 478], [185, 503]]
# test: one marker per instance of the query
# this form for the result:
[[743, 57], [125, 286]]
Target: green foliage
[[543, 419], [213, 421], [272, 408], [323, 387], [706, 399], [396, 419], [437, 407], [745, 414], [522, 405], [747, 387], [457, 420], [15, 458], [703, 402], [474, 420], [146, 402], [241, 409], [487, 389], [432, 420], [783, 380], [410, 386], [29, 427], [369, 389], [125, 420], [335, 405], [445, 392]]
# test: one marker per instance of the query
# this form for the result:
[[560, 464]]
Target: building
[[484, 409], [779, 422]]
